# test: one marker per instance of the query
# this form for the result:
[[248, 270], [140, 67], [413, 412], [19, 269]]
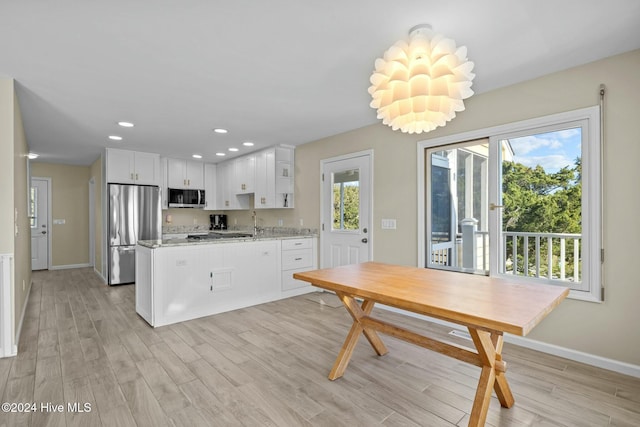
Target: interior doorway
[[39, 219]]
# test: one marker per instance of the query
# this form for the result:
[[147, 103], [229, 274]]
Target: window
[[33, 207], [520, 200], [346, 200]]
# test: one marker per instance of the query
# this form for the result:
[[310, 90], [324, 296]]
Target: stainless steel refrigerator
[[135, 214]]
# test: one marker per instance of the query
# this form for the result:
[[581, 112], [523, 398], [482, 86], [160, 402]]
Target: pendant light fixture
[[421, 83]]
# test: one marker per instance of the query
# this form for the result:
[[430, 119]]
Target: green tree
[[351, 207], [539, 202]]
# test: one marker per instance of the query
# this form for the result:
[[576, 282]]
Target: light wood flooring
[[82, 342]]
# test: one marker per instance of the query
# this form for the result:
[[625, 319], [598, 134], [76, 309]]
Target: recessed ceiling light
[[248, 144], [220, 154], [32, 156], [126, 124], [220, 130], [233, 149], [196, 156], [115, 138]]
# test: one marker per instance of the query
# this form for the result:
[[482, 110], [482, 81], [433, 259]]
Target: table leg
[[489, 347], [357, 312]]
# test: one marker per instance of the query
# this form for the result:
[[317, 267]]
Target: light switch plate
[[59, 221], [388, 224]]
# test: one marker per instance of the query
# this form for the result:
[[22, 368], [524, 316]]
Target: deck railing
[[549, 255], [554, 256]]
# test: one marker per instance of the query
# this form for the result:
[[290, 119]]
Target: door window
[[33, 207], [346, 199]]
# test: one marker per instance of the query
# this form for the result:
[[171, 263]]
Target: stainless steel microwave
[[179, 198]]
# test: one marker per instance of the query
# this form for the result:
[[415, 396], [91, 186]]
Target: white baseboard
[[66, 267], [7, 337], [567, 353], [99, 274]]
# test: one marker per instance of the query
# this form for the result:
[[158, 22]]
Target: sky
[[552, 150]]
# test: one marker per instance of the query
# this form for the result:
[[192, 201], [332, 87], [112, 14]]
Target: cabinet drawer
[[289, 244], [288, 282], [297, 259]]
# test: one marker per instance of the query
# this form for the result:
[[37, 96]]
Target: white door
[[345, 232], [39, 205]]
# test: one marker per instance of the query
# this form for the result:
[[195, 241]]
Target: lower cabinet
[[297, 255], [179, 283]]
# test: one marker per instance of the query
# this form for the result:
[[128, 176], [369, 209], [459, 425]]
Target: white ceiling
[[277, 71]]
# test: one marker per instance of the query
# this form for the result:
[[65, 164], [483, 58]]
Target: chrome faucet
[[255, 224]]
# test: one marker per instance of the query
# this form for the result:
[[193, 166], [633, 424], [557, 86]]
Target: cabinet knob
[[131, 175], [136, 177]]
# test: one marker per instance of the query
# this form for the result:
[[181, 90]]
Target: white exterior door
[[346, 206], [39, 205]]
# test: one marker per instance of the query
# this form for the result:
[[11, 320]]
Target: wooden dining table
[[487, 306]]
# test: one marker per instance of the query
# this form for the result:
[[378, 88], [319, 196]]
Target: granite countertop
[[267, 233]]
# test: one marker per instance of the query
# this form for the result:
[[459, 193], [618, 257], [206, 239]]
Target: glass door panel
[[457, 207], [541, 205]]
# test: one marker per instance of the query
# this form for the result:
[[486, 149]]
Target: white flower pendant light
[[419, 85]]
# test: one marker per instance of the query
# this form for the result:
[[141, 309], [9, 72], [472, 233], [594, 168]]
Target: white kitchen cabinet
[[210, 190], [285, 176], [245, 174], [132, 167], [297, 255], [179, 283], [274, 178], [185, 174], [265, 195], [227, 199], [164, 191]]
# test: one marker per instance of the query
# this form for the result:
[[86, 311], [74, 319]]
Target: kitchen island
[[184, 279]]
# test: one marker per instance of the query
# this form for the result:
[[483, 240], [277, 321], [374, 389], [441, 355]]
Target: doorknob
[[493, 206], [364, 240], [44, 232]]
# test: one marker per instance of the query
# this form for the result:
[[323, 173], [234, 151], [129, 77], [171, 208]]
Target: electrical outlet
[[301, 222], [280, 223]]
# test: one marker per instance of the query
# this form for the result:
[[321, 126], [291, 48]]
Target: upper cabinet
[[245, 174], [132, 167], [210, 191], [226, 196], [185, 174], [284, 177], [267, 174]]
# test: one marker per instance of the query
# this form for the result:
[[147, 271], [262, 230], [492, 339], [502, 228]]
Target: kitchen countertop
[[262, 235]]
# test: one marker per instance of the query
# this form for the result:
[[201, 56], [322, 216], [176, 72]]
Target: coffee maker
[[217, 222]]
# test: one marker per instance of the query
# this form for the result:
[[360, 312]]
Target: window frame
[[591, 187]]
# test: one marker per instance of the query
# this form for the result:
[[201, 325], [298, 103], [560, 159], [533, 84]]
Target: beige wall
[[609, 329], [6, 165], [22, 242], [95, 173], [70, 201], [13, 187]]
